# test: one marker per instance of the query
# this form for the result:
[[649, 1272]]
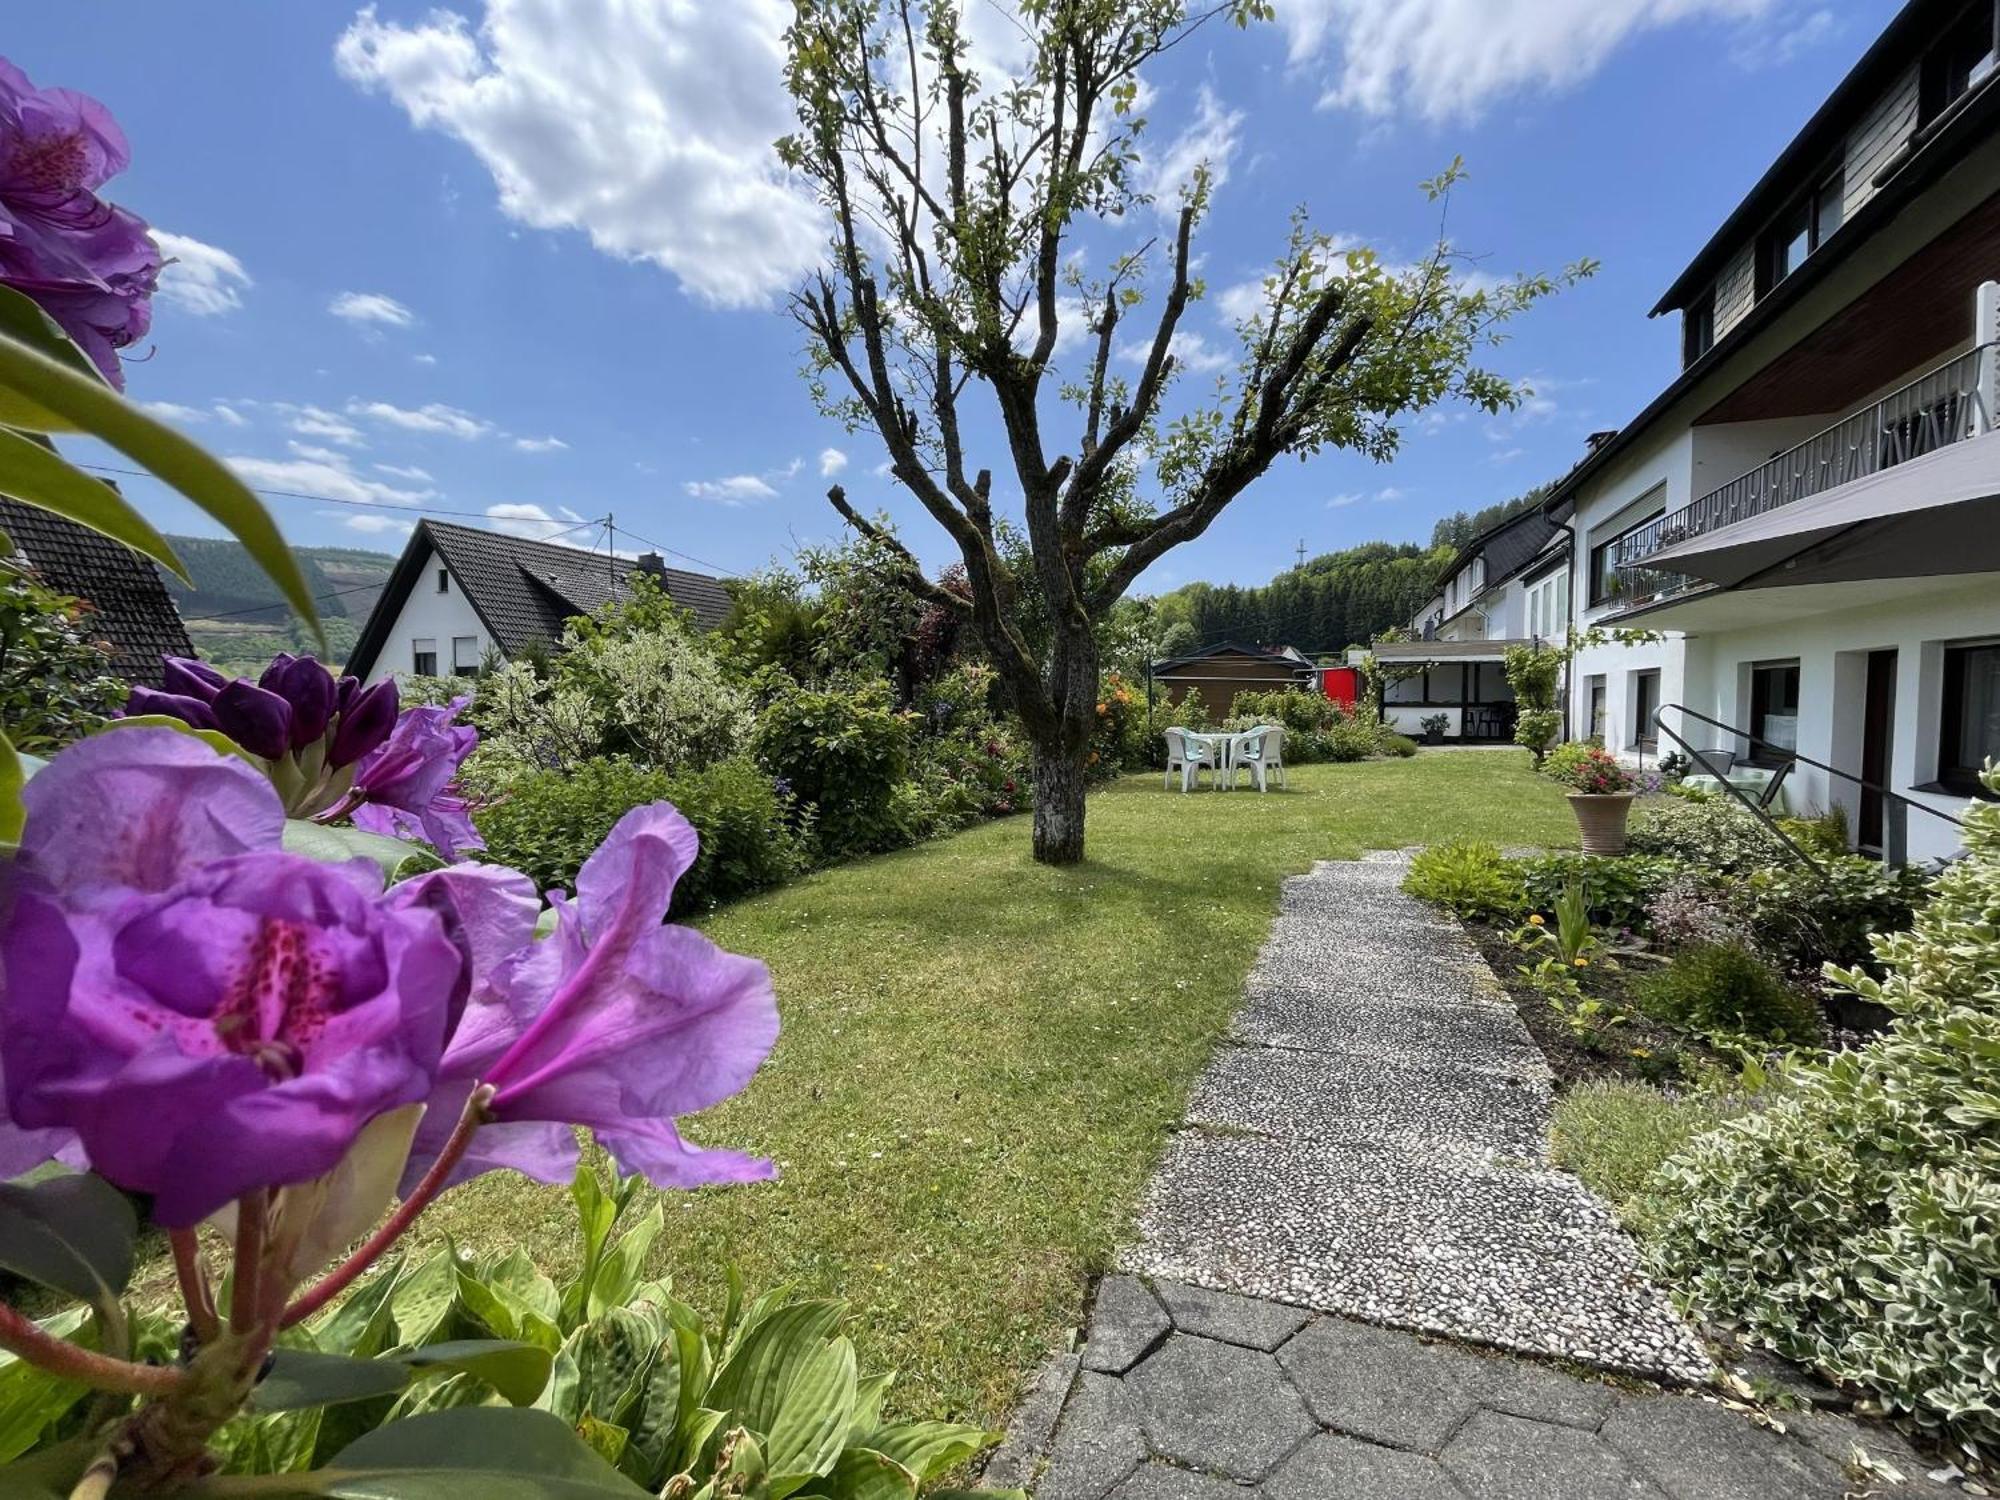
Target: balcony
[[1932, 412]]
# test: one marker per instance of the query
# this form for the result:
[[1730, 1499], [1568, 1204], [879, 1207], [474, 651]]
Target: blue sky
[[526, 257]]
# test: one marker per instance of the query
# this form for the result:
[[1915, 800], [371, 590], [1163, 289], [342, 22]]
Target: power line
[[279, 604], [717, 568], [421, 510]]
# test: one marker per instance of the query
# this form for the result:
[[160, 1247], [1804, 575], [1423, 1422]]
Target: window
[[424, 657], [1645, 703], [1697, 328], [1774, 711], [1475, 577], [444, 580], [465, 655], [1970, 721], [1604, 580], [1962, 56], [1593, 728], [1801, 229]]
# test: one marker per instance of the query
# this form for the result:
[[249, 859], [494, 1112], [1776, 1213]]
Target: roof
[[1287, 657], [1407, 651], [1509, 545], [525, 591], [1901, 42], [134, 612]]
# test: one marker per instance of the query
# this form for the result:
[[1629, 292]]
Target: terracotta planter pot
[[1602, 819]]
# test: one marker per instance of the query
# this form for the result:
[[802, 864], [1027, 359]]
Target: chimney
[[1598, 439], [652, 563]]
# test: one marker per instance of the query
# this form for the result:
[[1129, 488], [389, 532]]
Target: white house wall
[[428, 615], [1831, 648]]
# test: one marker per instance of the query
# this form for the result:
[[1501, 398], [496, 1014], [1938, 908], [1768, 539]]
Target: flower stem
[[253, 1210], [22, 1337], [432, 1183], [195, 1290]]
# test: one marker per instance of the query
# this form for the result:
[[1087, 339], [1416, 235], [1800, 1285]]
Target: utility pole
[[1302, 554]]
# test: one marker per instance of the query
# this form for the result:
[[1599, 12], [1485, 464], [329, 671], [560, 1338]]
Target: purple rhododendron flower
[[404, 788], [207, 1015], [615, 1022], [90, 265]]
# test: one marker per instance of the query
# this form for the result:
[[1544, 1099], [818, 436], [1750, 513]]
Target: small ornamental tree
[[1533, 673], [967, 202]]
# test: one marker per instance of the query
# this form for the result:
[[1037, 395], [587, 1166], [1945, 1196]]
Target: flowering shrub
[[1590, 770], [1851, 1225], [842, 754], [247, 1034]]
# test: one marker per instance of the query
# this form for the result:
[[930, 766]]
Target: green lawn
[[981, 1057]]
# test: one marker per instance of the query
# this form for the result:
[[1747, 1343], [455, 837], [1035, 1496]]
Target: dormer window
[[1962, 56], [1698, 328], [1800, 230], [444, 580]]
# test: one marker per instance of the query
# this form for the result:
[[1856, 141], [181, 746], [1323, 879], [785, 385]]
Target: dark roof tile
[[133, 609]]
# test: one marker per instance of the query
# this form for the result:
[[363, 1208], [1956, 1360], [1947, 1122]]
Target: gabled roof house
[[1809, 511], [1221, 671], [459, 592], [131, 609]]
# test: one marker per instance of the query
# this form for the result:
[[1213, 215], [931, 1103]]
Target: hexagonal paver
[[1098, 1443], [1217, 1406], [1495, 1457], [1157, 1481], [1126, 1322], [1331, 1465], [1012, 1465], [1522, 1388], [1249, 1321], [1697, 1450], [1386, 1387]]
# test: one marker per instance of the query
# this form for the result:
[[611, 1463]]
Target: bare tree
[[965, 199]]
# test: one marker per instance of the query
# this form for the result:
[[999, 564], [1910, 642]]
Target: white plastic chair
[[1260, 753], [1188, 753]]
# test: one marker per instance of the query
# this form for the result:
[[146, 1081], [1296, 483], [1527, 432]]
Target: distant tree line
[[1334, 600], [1458, 528]]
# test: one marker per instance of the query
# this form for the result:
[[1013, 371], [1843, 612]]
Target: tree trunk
[[1058, 804]]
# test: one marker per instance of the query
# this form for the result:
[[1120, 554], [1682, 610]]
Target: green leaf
[[215, 739], [40, 476], [333, 845], [362, 1323], [766, 1357], [93, 407], [485, 1306], [812, 1421], [302, 1378], [606, 1439], [425, 1301], [13, 817], [619, 1272], [928, 1449], [51, 1474], [22, 317], [30, 1397], [491, 1452], [517, 1371], [72, 1232], [864, 1474]]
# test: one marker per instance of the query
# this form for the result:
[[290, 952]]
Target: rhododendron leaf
[[94, 407], [73, 1233], [21, 317], [335, 845], [30, 1397], [516, 1370], [215, 739], [13, 776], [494, 1452], [42, 477], [301, 1378]]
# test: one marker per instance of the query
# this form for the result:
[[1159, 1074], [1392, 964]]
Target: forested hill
[[1336, 600], [236, 618]]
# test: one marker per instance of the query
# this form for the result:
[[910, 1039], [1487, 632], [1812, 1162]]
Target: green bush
[[1805, 919], [1855, 1224], [843, 755], [1718, 990], [546, 823], [1400, 745], [1615, 1134], [1616, 889], [1713, 833], [1822, 833], [1469, 877]]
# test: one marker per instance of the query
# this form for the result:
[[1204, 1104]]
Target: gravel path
[[1372, 1143]]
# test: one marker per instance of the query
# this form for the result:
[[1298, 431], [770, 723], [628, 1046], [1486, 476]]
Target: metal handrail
[[1934, 411], [1756, 808]]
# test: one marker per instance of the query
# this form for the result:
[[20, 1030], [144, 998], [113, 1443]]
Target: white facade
[[437, 621]]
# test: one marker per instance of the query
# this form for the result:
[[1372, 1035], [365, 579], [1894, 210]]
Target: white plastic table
[[1750, 780]]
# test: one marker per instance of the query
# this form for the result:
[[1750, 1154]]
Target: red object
[[1341, 684]]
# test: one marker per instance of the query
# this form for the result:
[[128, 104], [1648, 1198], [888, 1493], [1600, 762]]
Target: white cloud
[[325, 475], [1345, 499], [363, 308], [369, 523], [1508, 455], [425, 359], [1387, 495], [202, 279], [736, 489], [317, 421], [831, 462], [1242, 300], [1190, 350], [539, 445], [646, 125], [230, 415], [173, 411], [434, 416], [535, 523], [1450, 59], [1211, 138], [404, 471], [315, 453]]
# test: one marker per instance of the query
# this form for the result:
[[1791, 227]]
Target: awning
[[1410, 652], [1930, 517]]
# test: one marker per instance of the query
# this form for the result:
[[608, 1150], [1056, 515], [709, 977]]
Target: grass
[[1615, 1134], [981, 1057]]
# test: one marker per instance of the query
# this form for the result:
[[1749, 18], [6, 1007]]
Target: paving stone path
[[1361, 1184]]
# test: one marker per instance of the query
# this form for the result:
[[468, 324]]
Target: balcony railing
[[1931, 412]]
